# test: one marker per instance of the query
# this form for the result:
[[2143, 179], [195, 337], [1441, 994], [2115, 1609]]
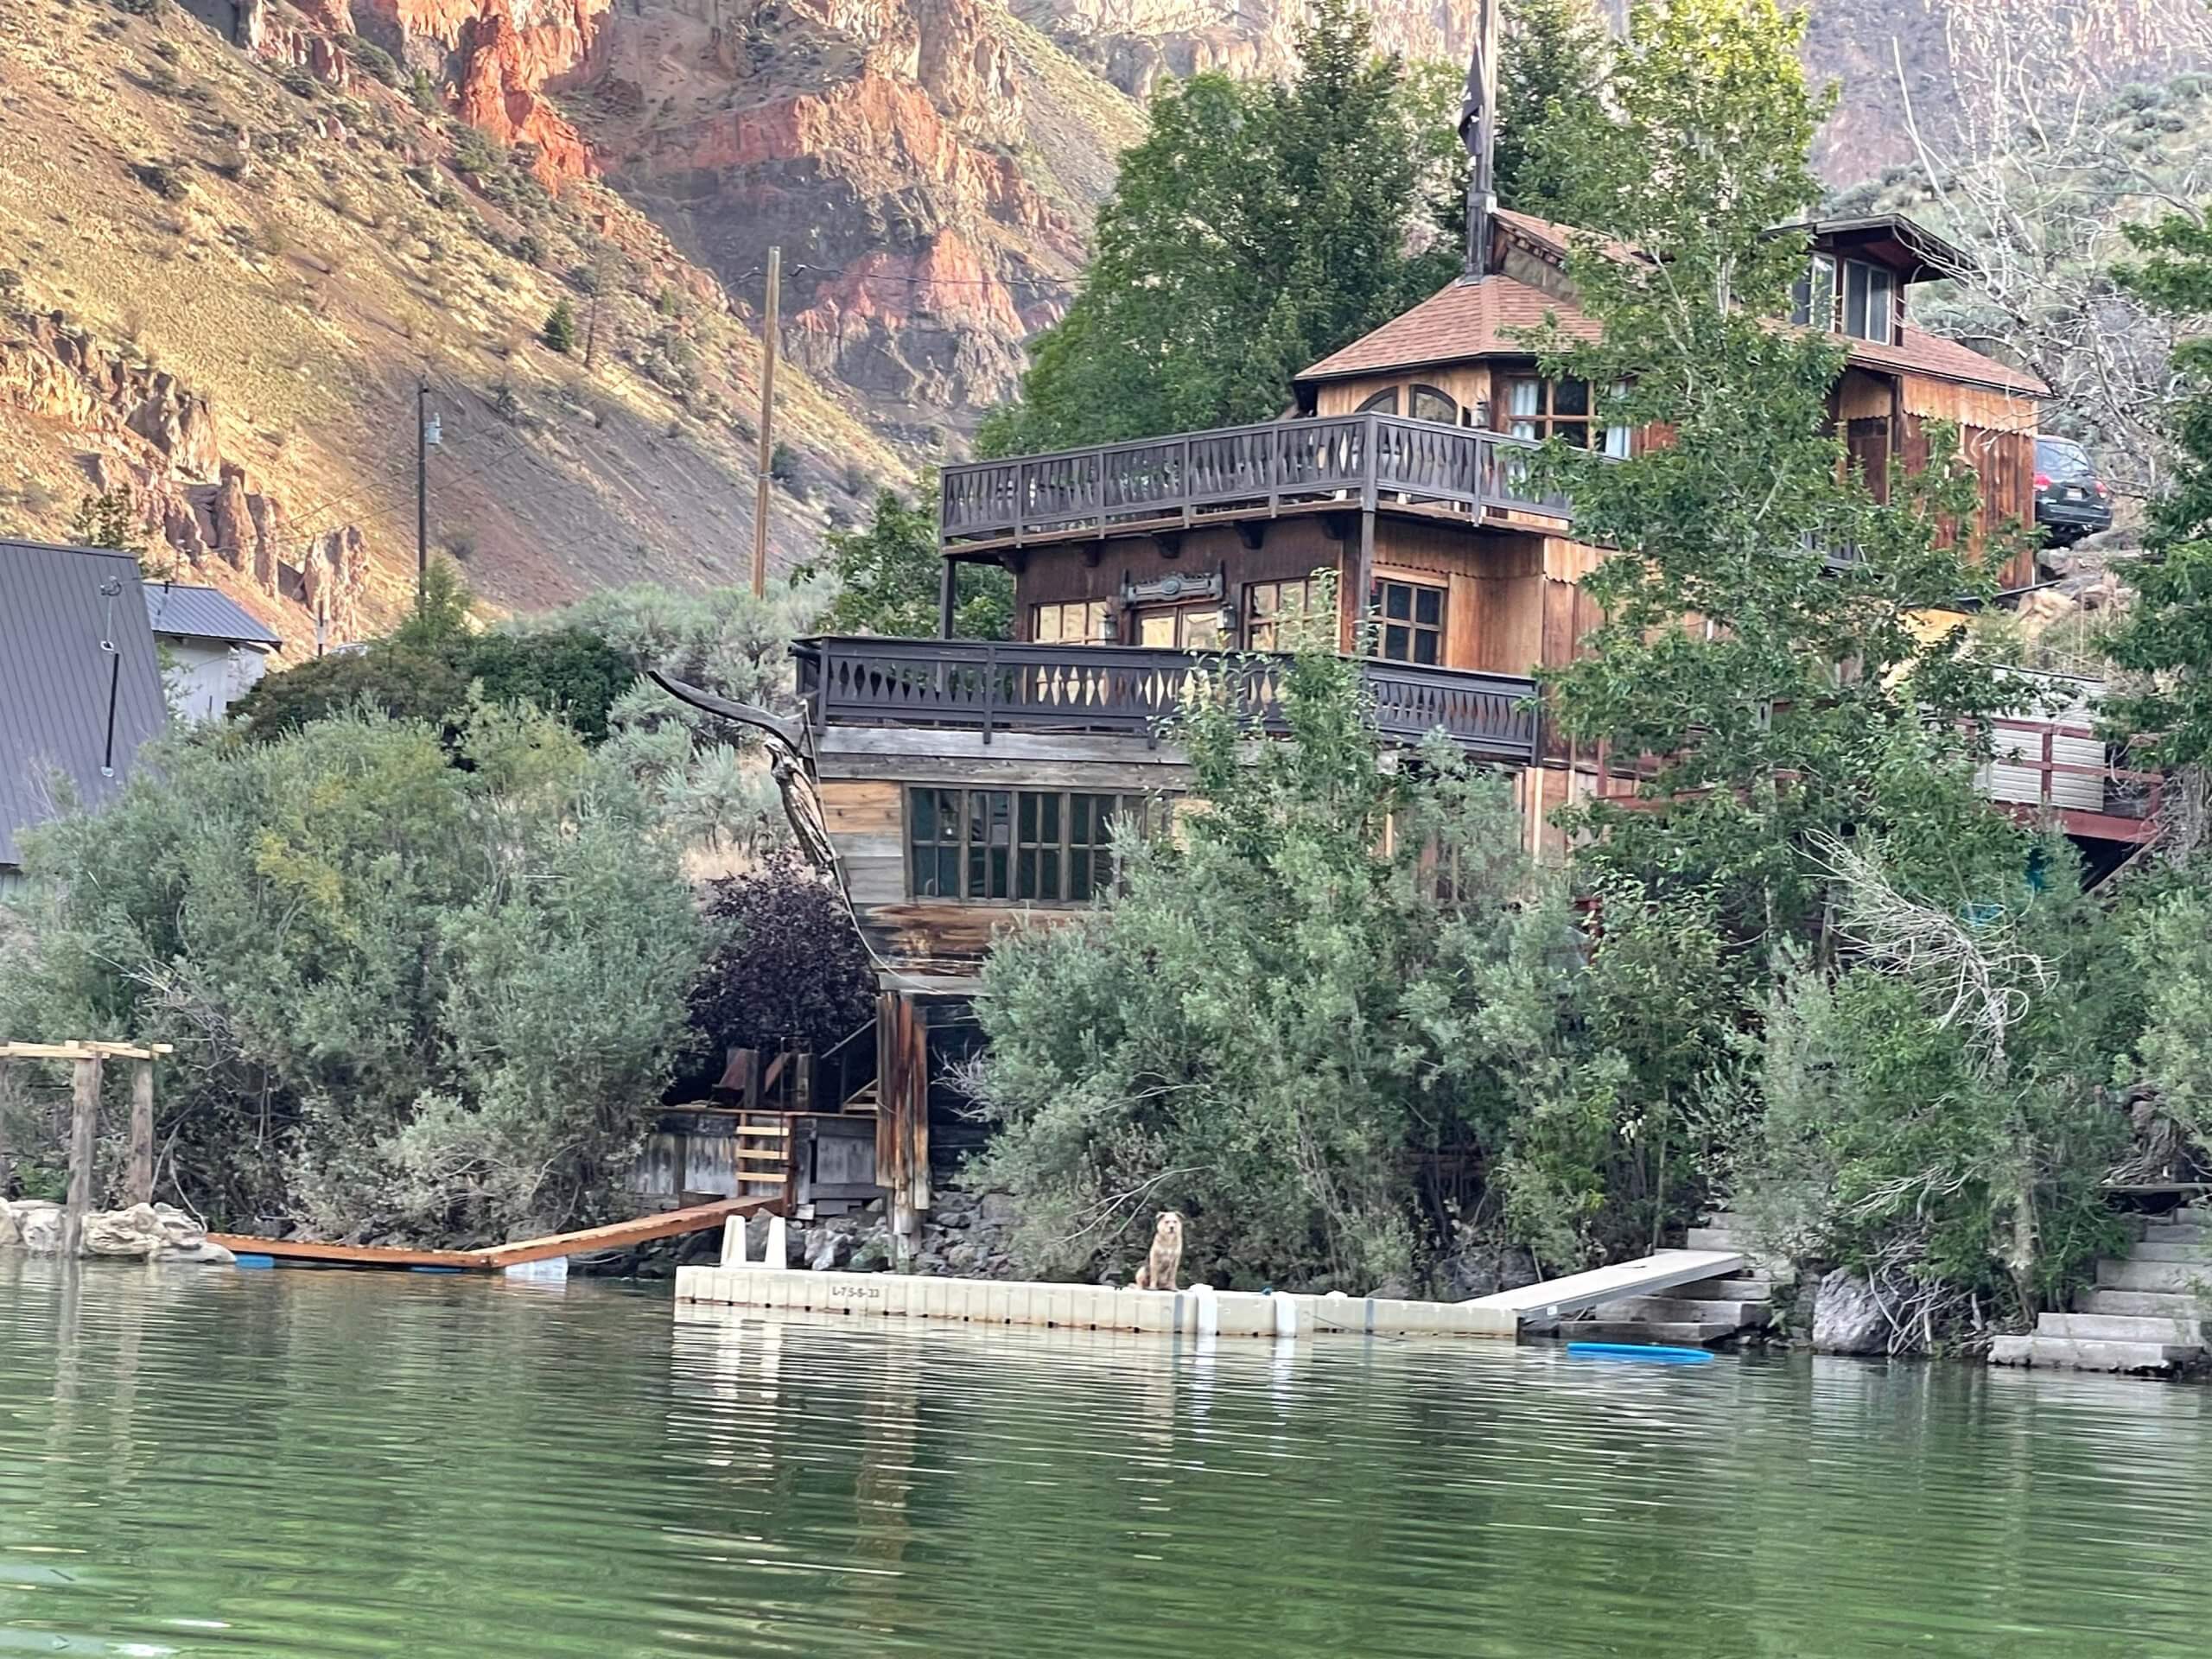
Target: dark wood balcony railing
[[1360, 460], [974, 686]]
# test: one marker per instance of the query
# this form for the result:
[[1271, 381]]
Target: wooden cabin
[[964, 782]]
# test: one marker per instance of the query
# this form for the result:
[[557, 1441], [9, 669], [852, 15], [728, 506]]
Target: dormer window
[[1847, 296]]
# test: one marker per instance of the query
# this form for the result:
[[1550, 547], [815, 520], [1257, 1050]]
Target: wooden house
[[963, 782]]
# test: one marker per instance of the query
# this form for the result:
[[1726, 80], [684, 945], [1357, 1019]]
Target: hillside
[[238, 230], [224, 270]]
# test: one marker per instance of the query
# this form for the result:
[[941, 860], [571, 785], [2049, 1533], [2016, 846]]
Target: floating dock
[[615, 1236], [1085, 1307]]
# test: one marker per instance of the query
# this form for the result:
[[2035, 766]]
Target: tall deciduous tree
[[1256, 228], [1766, 629]]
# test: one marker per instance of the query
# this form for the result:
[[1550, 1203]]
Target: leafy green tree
[[1552, 69], [559, 332], [1765, 635], [1933, 1113], [887, 575], [1256, 228], [409, 999], [2165, 639], [1333, 1011]]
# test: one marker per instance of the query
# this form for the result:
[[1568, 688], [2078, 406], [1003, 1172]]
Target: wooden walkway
[[1579, 1293], [613, 1236]]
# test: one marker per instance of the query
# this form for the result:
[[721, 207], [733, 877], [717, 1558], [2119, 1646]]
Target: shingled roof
[[1484, 318], [80, 688]]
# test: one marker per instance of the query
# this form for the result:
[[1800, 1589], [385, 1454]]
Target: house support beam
[[948, 597]]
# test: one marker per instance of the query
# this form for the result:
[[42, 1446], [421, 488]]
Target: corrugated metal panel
[[68, 702], [204, 613]]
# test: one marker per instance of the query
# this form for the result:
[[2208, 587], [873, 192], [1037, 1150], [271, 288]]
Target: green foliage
[[374, 58], [1552, 70], [887, 574], [1256, 228], [2166, 637], [1808, 706], [407, 996], [107, 520], [1331, 1009], [559, 332], [423, 92], [1894, 1134]]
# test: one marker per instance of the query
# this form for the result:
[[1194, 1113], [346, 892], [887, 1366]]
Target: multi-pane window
[[1079, 622], [1181, 627], [1537, 410], [1409, 622], [1269, 605], [1383, 402], [1047, 847]]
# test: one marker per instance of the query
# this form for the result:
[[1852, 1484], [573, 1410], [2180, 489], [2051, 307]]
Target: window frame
[[1040, 826], [1418, 391], [1260, 626], [1871, 281], [1094, 618], [1381, 403], [1416, 630], [1545, 421]]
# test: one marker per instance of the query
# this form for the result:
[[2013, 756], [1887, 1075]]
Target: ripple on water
[[312, 1464]]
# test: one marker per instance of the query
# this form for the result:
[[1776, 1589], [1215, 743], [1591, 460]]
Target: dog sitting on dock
[[1163, 1264]]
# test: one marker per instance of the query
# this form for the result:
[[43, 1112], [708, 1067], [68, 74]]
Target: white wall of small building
[[204, 677]]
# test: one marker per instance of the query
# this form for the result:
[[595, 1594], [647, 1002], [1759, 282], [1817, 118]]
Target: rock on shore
[[143, 1232]]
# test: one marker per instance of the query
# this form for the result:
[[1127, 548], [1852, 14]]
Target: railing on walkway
[[2065, 768], [986, 687], [1360, 460]]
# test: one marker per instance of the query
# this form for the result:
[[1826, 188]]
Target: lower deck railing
[[1131, 690]]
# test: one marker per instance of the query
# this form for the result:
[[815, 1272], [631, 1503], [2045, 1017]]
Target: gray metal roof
[[187, 613], [67, 702]]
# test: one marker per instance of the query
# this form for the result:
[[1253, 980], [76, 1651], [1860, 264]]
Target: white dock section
[[1579, 1293], [1092, 1307]]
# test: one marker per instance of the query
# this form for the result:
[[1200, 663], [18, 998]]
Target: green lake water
[[218, 1463]]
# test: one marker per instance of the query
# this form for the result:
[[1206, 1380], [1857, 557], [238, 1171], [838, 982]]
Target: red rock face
[[505, 52]]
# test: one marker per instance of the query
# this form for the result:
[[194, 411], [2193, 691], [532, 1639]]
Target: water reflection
[[309, 1464]]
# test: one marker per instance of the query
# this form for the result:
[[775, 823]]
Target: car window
[[2063, 460]]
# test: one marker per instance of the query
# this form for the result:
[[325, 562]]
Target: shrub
[[298, 82], [407, 996], [474, 153], [162, 180], [374, 58], [790, 971], [422, 92]]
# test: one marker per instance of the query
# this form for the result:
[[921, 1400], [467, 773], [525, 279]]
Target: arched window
[[1383, 402], [1430, 404]]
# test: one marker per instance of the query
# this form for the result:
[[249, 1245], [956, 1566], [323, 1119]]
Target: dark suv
[[2071, 500]]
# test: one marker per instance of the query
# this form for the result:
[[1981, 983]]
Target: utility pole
[[768, 339], [422, 492]]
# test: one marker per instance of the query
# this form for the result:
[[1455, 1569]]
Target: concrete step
[[1691, 1333], [2159, 1232], [1726, 1221], [2062, 1353], [2152, 1304], [2184, 1276], [1709, 1238], [1739, 1287], [1692, 1310], [2121, 1327], [2155, 1248]]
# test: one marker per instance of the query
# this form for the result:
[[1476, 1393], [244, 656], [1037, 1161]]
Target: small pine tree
[[560, 331]]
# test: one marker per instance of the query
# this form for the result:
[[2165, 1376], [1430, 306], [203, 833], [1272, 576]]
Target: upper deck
[[1362, 462]]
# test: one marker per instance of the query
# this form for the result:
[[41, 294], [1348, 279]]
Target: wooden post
[[768, 344], [84, 1128], [7, 1101], [142, 1132], [948, 595]]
